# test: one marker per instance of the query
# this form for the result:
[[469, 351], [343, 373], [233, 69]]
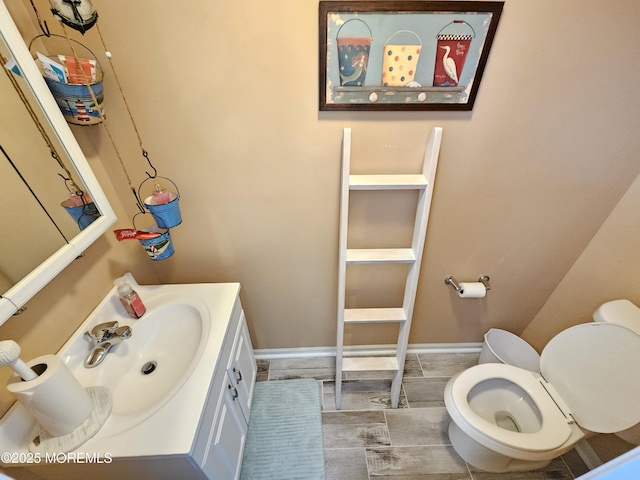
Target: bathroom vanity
[[187, 419]]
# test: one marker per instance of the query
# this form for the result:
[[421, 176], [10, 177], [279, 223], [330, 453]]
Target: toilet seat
[[554, 430], [591, 369], [594, 369]]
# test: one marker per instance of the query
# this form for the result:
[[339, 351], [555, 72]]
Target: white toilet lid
[[594, 367]]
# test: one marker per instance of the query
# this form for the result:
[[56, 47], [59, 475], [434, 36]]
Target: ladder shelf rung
[[380, 255], [374, 315], [369, 364], [387, 182]]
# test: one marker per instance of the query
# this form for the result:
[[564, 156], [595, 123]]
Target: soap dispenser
[[129, 298]]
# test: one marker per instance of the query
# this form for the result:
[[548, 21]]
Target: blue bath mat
[[285, 432]]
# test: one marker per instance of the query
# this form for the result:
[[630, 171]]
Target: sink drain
[[148, 368]]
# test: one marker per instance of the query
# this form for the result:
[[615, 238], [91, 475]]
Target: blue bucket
[[84, 215], [166, 215], [80, 103], [76, 102], [160, 247]]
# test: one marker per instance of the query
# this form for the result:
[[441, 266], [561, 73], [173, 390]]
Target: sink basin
[[144, 371], [159, 378]]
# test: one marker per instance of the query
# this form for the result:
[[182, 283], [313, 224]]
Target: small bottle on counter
[[129, 298]]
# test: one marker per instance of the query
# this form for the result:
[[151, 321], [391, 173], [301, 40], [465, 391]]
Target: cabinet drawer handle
[[233, 389], [238, 374]]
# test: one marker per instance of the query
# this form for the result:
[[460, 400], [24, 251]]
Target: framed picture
[[404, 55]]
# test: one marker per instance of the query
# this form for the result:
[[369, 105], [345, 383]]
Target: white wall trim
[[366, 350], [588, 454]]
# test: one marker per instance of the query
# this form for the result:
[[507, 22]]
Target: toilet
[[505, 418], [624, 313]]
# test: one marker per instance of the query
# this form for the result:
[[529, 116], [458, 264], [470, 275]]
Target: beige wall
[[227, 106], [224, 95], [606, 270]]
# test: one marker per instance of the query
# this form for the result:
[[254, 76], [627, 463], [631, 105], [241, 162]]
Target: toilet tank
[[621, 312]]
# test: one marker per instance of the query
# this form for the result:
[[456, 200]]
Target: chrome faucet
[[102, 338]]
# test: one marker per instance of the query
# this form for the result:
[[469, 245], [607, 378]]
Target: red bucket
[[451, 53]]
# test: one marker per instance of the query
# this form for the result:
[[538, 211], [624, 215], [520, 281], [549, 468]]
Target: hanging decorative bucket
[[159, 247], [163, 205], [84, 215], [353, 56], [76, 102], [80, 103], [451, 52], [399, 61]]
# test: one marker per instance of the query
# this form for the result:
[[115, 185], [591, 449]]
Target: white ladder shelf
[[412, 256]]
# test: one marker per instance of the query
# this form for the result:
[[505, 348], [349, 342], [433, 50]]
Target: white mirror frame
[[31, 284]]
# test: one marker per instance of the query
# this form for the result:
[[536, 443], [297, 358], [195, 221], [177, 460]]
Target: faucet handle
[[99, 331], [123, 332]]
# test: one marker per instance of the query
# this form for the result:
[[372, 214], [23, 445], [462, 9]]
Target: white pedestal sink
[[181, 388]]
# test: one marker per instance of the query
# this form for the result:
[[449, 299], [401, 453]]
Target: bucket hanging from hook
[[79, 205], [163, 204], [84, 215], [80, 103], [158, 248]]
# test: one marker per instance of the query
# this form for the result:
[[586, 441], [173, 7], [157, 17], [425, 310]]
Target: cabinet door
[[224, 458], [243, 368]]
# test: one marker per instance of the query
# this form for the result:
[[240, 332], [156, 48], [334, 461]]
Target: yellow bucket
[[400, 61]]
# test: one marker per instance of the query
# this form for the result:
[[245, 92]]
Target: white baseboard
[[588, 454], [366, 350]]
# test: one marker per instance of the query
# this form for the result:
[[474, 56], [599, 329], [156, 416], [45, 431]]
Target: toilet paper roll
[[56, 399], [472, 290]]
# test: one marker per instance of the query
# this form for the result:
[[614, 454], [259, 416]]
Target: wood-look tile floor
[[368, 440]]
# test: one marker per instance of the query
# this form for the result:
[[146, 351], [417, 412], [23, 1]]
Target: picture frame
[[404, 55]]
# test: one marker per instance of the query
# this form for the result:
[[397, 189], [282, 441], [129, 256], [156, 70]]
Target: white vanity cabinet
[[197, 433], [227, 436], [243, 369]]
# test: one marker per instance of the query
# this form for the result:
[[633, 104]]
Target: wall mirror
[[40, 237]]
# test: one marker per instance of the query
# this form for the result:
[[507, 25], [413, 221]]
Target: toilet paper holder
[[484, 279]]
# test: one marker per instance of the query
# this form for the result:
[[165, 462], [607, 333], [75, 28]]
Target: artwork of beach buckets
[[451, 53], [80, 104], [353, 54], [400, 60], [160, 247]]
